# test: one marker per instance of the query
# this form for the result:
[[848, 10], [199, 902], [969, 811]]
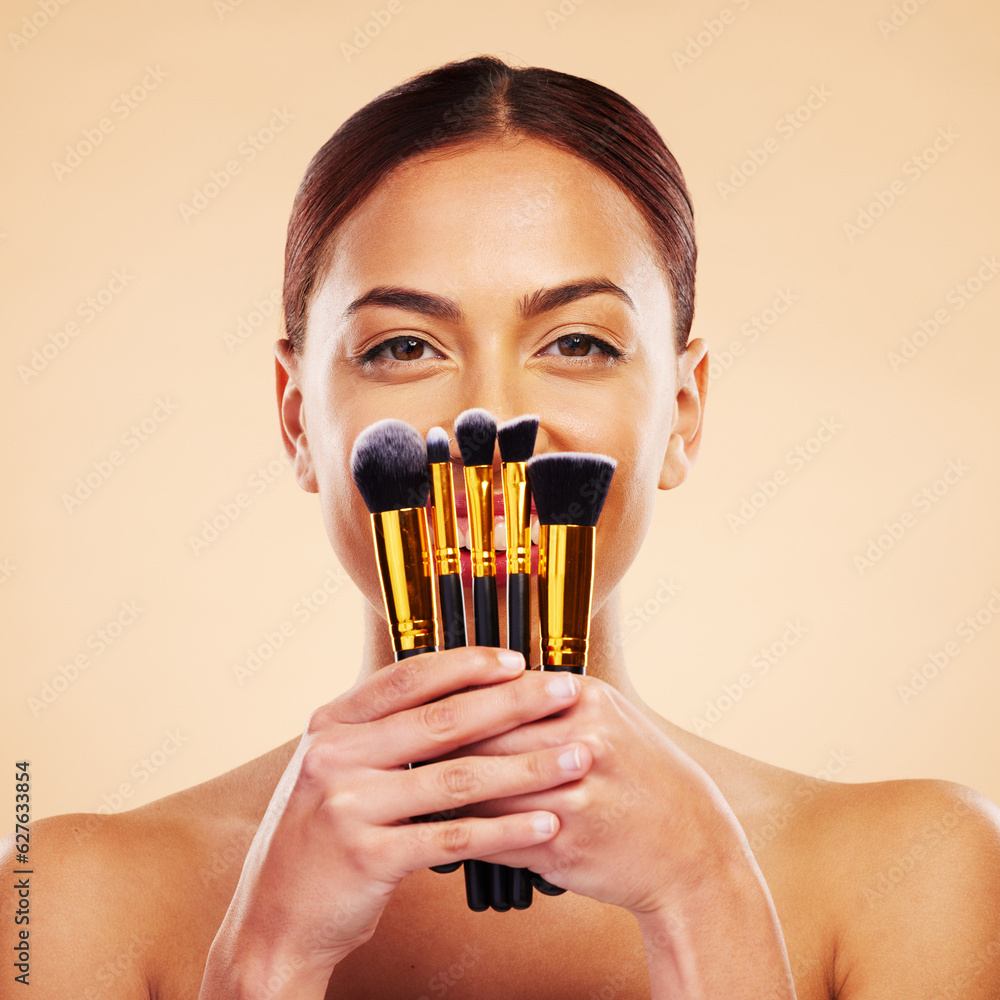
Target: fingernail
[[569, 760], [510, 659], [544, 823], [563, 686]]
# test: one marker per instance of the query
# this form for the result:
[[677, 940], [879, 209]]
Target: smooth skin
[[300, 875]]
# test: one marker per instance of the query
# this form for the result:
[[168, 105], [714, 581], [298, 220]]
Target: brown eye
[[574, 345], [406, 349], [400, 349]]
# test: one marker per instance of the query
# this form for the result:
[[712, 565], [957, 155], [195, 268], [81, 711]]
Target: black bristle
[[476, 431], [570, 487], [517, 438], [437, 446], [389, 465]]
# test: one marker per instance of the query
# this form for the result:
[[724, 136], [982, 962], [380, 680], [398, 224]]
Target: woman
[[519, 240]]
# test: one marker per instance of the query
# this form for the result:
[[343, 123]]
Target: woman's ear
[[292, 415], [689, 408]]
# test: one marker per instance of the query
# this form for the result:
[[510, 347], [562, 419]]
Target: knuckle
[[577, 799], [317, 763], [367, 851], [459, 781], [404, 677], [319, 719], [339, 804], [455, 837], [439, 718], [595, 695]]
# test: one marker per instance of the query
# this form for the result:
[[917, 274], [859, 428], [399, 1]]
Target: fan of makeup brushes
[[396, 472]]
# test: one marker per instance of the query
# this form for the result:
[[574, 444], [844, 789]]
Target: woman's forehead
[[517, 216]]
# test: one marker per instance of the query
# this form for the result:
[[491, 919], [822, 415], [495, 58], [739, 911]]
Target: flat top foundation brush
[[569, 490], [570, 487]]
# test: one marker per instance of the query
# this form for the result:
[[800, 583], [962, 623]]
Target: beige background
[[165, 690]]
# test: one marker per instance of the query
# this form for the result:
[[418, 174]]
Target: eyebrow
[[534, 304]]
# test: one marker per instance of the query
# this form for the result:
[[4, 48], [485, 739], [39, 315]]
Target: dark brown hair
[[484, 99]]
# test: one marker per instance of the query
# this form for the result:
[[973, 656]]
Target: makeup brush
[[446, 542], [517, 442], [485, 884], [389, 466], [569, 489], [446, 555]]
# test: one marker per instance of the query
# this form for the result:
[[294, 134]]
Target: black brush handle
[[452, 610], [484, 603], [519, 614], [536, 880], [404, 654], [518, 637], [520, 888], [478, 888], [501, 888], [544, 887], [453, 627]]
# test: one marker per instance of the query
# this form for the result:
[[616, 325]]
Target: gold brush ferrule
[[446, 546], [407, 578], [517, 514], [479, 503], [565, 592]]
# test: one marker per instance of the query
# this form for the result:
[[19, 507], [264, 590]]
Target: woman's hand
[[642, 825], [337, 837], [646, 828]]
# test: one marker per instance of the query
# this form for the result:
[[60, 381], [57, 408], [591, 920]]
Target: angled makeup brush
[[476, 430], [446, 554], [517, 442], [569, 489], [389, 466]]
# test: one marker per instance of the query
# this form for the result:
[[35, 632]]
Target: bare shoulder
[[911, 870], [110, 893], [80, 942]]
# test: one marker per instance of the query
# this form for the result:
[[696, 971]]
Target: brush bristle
[[389, 465], [437, 446], [517, 438], [476, 431], [570, 487]]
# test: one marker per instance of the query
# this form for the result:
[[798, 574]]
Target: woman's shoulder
[[865, 875], [904, 874], [106, 891]]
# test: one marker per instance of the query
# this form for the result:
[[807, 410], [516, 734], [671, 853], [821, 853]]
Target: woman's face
[[482, 239]]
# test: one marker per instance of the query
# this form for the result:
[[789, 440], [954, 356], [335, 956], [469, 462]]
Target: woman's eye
[[579, 345], [402, 349]]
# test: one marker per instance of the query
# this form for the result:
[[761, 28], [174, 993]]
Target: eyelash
[[370, 357]]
